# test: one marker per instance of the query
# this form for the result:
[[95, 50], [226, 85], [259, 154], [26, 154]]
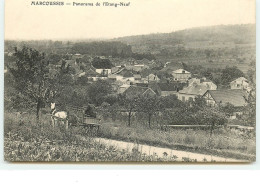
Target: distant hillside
[[237, 34], [211, 47]]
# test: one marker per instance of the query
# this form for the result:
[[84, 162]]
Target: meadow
[[223, 142], [26, 141]]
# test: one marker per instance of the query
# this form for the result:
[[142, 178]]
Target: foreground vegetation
[[222, 142], [26, 141]]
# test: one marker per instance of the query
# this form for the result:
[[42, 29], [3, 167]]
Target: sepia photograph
[[131, 82]]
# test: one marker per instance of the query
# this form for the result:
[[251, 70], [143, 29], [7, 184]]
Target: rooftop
[[239, 79], [236, 97], [181, 71], [195, 89], [170, 86], [137, 76], [91, 73], [135, 91], [128, 74]]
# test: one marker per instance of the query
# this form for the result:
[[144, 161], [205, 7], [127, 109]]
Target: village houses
[[102, 66], [203, 81], [137, 91], [240, 83], [123, 87], [236, 97], [167, 89], [191, 92], [181, 75], [152, 78], [196, 87]]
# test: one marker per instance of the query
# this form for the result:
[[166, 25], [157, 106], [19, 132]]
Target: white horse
[[58, 116]]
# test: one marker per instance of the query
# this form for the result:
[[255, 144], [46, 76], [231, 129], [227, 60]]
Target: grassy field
[[223, 142], [27, 141]]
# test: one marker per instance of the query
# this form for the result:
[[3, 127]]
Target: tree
[[250, 109], [198, 104], [171, 101], [129, 105], [83, 80], [30, 73], [98, 90], [150, 105], [211, 116], [208, 74], [228, 109], [104, 110], [229, 74]]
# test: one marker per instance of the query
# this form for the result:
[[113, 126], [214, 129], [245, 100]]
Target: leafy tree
[[228, 109], [212, 116], [229, 74], [83, 80], [207, 74], [98, 90], [114, 111], [54, 58], [104, 110], [197, 113], [102, 63], [250, 109], [129, 105], [30, 73], [111, 99], [150, 105], [171, 101], [198, 104]]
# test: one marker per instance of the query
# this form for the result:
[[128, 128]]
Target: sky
[[26, 22]]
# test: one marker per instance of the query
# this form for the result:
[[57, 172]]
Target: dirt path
[[165, 152]]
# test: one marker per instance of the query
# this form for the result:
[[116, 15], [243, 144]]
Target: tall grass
[[228, 143], [21, 132], [27, 141]]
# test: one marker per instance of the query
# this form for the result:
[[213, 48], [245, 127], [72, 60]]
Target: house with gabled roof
[[152, 78], [123, 87], [191, 92], [166, 89], [137, 77], [203, 81], [208, 83], [137, 91], [69, 65], [240, 83], [115, 69], [91, 73], [181, 75], [236, 97], [128, 76], [169, 67]]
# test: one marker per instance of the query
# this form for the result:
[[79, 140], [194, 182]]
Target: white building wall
[[100, 71], [186, 97]]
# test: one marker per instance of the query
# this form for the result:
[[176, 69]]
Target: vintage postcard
[[142, 81]]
